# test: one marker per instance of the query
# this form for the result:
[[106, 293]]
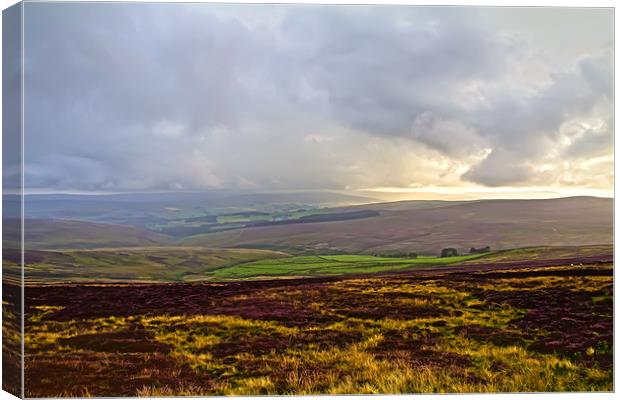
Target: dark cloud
[[591, 143], [171, 96], [499, 168]]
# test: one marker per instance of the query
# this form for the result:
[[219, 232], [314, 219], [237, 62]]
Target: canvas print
[[290, 199]]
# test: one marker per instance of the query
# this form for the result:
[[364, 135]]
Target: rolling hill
[[130, 264], [140, 209], [405, 226], [428, 227], [66, 234]]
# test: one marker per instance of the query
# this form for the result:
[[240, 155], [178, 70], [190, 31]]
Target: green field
[[185, 264], [331, 265]]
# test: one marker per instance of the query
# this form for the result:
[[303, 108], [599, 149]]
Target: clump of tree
[[449, 252], [480, 250]]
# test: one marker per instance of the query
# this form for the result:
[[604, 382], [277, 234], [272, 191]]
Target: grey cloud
[[450, 137], [597, 70], [380, 75], [529, 125], [499, 168], [165, 96], [592, 143]]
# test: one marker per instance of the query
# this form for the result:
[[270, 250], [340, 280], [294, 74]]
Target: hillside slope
[[66, 234], [500, 224], [131, 264]]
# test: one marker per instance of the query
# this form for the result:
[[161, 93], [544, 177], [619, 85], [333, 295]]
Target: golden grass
[[432, 355]]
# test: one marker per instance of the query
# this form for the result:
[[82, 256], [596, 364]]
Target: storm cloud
[[171, 96]]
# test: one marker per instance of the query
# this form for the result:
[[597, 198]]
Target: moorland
[[309, 294]]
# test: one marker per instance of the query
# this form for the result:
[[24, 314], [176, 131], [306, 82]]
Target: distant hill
[[405, 226], [142, 209], [65, 234], [428, 227]]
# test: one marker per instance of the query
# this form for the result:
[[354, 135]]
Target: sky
[[413, 101]]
